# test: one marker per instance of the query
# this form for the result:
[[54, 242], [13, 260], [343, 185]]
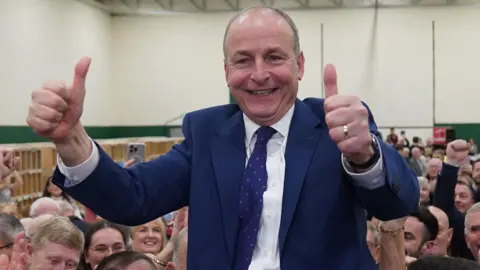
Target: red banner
[[439, 135]]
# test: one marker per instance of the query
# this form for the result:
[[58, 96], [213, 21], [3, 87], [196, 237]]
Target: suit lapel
[[302, 140], [228, 156]]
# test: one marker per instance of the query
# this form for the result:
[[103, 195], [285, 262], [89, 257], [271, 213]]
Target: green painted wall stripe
[[23, 134]]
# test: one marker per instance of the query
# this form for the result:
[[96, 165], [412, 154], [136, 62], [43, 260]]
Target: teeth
[[262, 93], [149, 243]]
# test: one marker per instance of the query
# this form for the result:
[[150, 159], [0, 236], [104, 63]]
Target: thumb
[[330, 81], [4, 263], [81, 70]]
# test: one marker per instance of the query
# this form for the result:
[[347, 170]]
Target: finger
[[39, 125], [81, 70], [340, 117], [336, 102], [330, 81], [45, 113], [4, 262], [354, 129], [129, 163], [50, 99], [58, 88]]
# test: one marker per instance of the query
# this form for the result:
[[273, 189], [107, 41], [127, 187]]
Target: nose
[[150, 234], [260, 74]]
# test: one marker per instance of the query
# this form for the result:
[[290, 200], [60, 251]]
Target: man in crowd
[[258, 175], [472, 230], [421, 229], [43, 206], [10, 226]]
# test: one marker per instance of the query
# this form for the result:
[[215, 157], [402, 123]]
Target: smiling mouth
[[262, 93]]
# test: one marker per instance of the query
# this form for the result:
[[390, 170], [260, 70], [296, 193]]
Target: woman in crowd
[[52, 191], [103, 239]]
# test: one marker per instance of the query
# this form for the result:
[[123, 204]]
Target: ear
[[227, 70], [377, 254], [449, 234], [428, 245], [85, 257], [300, 66], [170, 266]]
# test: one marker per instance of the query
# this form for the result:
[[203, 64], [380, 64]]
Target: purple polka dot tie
[[251, 199]]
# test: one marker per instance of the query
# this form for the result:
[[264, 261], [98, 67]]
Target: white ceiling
[[152, 7]]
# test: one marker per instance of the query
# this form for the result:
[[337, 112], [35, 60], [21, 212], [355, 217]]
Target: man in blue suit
[[272, 183]]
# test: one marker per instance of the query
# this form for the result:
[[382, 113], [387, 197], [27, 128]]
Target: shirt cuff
[[75, 175], [372, 178]]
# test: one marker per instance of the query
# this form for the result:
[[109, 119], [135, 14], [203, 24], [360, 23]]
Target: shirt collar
[[282, 126]]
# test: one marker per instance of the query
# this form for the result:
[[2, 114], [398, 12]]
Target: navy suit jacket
[[323, 222]]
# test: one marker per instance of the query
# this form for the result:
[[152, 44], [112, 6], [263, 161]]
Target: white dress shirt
[[266, 253]]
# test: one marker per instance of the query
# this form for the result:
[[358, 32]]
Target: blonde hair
[[422, 181], [58, 230], [163, 231]]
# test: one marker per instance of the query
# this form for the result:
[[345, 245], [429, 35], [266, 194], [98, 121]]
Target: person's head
[[10, 226], [56, 245], [416, 153], [476, 170], [150, 237], [52, 190], [34, 225], [438, 154], [263, 63], [434, 166], [472, 229], [179, 261], [392, 130], [66, 209], [444, 236], [402, 133], [424, 190], [127, 260], [373, 241], [102, 240], [10, 208], [464, 196], [44, 205], [443, 263], [421, 229]]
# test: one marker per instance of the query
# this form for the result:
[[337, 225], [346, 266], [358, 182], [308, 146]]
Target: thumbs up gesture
[[56, 108], [347, 120]]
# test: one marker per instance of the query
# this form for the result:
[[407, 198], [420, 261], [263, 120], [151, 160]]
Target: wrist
[[76, 148]]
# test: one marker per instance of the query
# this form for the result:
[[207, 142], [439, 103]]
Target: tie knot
[[265, 133]]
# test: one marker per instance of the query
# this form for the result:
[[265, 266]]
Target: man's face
[[472, 237], [262, 69], [476, 171], [434, 166], [463, 198], [54, 257], [414, 244]]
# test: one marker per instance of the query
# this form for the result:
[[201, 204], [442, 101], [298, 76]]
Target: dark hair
[[443, 263], [429, 221], [95, 227], [46, 193], [10, 226], [121, 260]]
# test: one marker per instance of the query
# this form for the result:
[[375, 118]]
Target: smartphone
[[136, 151]]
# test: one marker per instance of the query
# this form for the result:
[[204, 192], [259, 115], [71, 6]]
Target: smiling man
[[272, 183]]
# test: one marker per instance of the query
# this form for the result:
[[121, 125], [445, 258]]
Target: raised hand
[[347, 119], [56, 108], [457, 152], [8, 162], [19, 259]]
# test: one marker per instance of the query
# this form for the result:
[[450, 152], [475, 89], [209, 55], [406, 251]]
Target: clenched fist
[[8, 162], [347, 120], [457, 152], [56, 108]]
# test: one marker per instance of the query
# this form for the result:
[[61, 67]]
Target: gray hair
[[10, 226], [39, 202], [177, 241], [422, 181], [281, 13], [474, 209], [65, 207]]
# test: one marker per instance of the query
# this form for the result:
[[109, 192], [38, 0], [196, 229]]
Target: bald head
[[258, 17], [440, 216], [435, 162]]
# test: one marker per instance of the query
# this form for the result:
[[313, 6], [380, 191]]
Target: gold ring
[[345, 131]]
